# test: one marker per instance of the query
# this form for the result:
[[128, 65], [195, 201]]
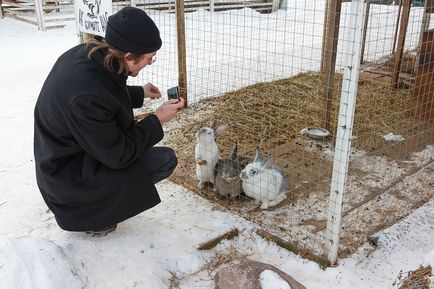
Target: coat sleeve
[[94, 125], [137, 95]]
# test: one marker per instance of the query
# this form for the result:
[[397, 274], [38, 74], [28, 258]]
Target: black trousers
[[160, 162]]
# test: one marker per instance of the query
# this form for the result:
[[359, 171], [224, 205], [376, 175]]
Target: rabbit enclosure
[[361, 70]]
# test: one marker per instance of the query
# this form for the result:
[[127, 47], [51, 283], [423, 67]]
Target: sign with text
[[92, 15]]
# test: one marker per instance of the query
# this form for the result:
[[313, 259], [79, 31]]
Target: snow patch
[[271, 280]]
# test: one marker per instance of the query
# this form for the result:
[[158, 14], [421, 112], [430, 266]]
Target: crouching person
[[96, 166]]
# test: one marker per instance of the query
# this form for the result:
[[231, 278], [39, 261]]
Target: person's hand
[[151, 91], [169, 109]]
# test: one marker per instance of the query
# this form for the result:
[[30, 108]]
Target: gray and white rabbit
[[227, 180], [206, 153], [264, 181]]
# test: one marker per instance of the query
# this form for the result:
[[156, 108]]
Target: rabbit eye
[[253, 172]]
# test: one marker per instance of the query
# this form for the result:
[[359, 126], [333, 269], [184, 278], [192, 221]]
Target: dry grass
[[278, 110], [271, 115], [417, 279], [407, 63], [229, 256]]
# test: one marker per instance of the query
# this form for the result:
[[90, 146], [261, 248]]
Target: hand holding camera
[[173, 93], [169, 109]]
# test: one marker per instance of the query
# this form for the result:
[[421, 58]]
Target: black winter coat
[[87, 146]]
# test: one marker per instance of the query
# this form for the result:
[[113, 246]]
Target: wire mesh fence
[[277, 73]]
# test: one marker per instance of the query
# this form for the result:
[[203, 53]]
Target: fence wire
[[273, 72]]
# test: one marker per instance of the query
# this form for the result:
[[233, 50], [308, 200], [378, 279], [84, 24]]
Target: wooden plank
[[202, 3], [59, 18], [48, 7], [236, 6], [56, 26], [331, 45], [401, 41], [374, 70], [17, 17], [423, 93], [14, 4], [205, 4], [28, 9]]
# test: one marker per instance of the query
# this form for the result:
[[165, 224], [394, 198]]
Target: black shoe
[[103, 231]]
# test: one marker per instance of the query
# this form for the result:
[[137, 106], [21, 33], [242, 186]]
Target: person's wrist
[[158, 117]]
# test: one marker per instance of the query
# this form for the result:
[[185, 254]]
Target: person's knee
[[171, 160], [168, 162]]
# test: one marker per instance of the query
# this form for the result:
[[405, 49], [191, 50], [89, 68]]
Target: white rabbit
[[264, 181], [206, 154]]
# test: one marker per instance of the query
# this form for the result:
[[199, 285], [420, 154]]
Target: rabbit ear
[[233, 153], [220, 129], [258, 155], [214, 125], [243, 160], [270, 162], [218, 167]]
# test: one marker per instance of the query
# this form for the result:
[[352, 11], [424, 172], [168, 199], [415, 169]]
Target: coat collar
[[116, 79]]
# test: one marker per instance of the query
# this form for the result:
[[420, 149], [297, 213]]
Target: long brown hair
[[114, 59]]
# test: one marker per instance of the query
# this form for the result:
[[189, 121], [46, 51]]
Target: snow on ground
[[158, 245]]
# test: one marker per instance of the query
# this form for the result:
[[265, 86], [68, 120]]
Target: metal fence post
[[345, 126]]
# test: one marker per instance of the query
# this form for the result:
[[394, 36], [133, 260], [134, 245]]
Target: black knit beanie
[[132, 30]]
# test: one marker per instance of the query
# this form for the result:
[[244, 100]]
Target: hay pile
[[271, 115], [278, 110], [417, 279], [407, 63]]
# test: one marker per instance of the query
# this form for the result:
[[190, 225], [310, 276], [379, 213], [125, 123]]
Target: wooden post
[[133, 3], [401, 41], [39, 15], [182, 59], [324, 33], [329, 60], [424, 27], [84, 37], [423, 93], [276, 5], [396, 27], [2, 13], [344, 130], [365, 30], [211, 5]]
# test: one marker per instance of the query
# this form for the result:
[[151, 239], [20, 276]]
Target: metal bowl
[[315, 132]]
